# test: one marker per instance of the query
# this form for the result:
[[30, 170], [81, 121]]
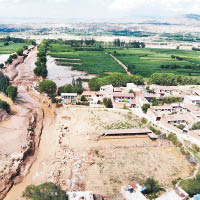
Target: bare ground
[[70, 155]]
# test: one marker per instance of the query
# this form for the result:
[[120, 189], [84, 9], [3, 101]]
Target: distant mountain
[[192, 16]]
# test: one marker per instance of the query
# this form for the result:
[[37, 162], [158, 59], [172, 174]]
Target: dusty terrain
[[71, 155], [20, 134]]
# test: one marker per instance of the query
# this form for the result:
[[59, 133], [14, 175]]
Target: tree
[[4, 82], [94, 85], [48, 87], [5, 106], [166, 79], [196, 126], [152, 186], [20, 52], [83, 98], [12, 92], [108, 102], [46, 191], [1, 66], [145, 107]]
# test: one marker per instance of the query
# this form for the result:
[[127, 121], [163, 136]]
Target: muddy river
[[62, 75]]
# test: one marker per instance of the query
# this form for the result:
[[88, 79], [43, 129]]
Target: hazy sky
[[94, 9]]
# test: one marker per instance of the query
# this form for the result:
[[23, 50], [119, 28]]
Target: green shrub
[[12, 92], [46, 191], [145, 107], [108, 102], [5, 106], [48, 87]]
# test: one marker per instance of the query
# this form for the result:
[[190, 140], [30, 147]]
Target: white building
[[132, 192], [107, 89], [87, 195], [178, 194], [69, 96], [192, 100]]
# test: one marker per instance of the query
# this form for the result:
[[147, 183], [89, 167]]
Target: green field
[[90, 59], [148, 61], [95, 60], [11, 48]]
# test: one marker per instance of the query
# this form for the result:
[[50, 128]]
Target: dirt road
[[122, 64]]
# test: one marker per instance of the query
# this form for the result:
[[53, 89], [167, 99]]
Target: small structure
[[87, 195], [132, 192], [69, 96], [178, 194], [122, 97], [129, 132], [196, 197], [107, 89], [192, 100]]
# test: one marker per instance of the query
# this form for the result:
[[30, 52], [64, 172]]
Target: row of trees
[[75, 87], [9, 39], [169, 79], [76, 43], [131, 44], [116, 79], [49, 87], [41, 68], [19, 52], [166, 100]]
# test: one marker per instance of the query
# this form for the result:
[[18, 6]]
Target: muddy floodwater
[[3, 58], [62, 75]]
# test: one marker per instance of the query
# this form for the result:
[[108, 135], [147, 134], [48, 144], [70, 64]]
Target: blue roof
[[197, 197]]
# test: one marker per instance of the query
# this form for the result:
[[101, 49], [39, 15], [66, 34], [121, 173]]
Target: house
[[107, 89], [132, 192], [178, 194], [123, 97], [165, 109], [178, 119], [132, 86], [196, 197], [87, 195], [195, 100], [69, 96], [89, 94]]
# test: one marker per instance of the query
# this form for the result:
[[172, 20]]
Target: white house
[[85, 195], [178, 194], [192, 100], [69, 96], [132, 192], [107, 89]]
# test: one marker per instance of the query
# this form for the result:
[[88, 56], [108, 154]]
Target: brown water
[[62, 75]]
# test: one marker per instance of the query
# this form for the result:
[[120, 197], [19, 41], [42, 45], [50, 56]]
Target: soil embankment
[[20, 135]]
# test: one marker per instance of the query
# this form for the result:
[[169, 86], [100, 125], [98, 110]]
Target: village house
[[195, 100], [165, 109], [68, 97], [177, 194], [181, 119], [123, 97], [85, 195], [107, 89], [89, 94], [132, 192]]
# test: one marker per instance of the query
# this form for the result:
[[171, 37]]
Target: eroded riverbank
[[20, 135]]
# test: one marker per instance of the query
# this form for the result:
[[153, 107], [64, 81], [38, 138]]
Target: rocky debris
[[14, 172], [3, 115], [11, 70]]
